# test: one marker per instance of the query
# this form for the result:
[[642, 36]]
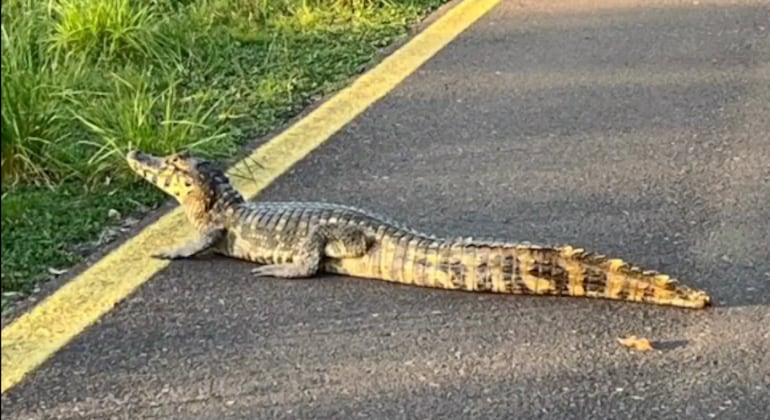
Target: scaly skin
[[300, 239]]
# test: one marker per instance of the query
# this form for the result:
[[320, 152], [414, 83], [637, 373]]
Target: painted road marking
[[36, 335]]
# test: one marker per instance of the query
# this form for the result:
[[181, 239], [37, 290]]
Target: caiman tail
[[486, 266]]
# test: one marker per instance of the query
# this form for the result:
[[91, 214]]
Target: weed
[[111, 30], [132, 115]]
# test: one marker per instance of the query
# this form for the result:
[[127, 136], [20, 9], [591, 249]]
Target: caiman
[[300, 239]]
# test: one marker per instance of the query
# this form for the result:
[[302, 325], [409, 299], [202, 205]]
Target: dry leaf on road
[[641, 344], [56, 271]]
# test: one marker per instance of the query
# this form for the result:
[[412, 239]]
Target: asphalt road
[[641, 132]]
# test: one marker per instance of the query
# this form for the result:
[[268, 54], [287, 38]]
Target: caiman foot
[[285, 271], [192, 248], [170, 255]]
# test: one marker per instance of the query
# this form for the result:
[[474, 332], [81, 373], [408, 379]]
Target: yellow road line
[[36, 335]]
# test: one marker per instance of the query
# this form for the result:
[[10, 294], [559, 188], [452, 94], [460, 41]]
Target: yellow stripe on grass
[[32, 338]]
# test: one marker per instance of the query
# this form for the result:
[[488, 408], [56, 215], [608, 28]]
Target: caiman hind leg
[[329, 240], [344, 241]]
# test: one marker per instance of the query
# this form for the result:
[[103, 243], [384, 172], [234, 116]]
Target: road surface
[[638, 130]]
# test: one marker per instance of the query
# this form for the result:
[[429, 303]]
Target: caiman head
[[198, 185]]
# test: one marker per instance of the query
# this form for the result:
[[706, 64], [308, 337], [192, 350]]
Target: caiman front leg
[[194, 247], [329, 240]]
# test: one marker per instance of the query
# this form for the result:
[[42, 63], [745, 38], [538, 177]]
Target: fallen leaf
[[130, 221], [107, 236], [56, 271], [641, 344]]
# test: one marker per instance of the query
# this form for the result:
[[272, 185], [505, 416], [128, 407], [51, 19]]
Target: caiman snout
[[137, 156], [133, 157], [138, 160]]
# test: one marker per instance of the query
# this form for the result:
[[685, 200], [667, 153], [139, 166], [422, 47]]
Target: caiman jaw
[[174, 174]]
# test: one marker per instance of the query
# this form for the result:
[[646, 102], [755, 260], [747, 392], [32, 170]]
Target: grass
[[84, 81]]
